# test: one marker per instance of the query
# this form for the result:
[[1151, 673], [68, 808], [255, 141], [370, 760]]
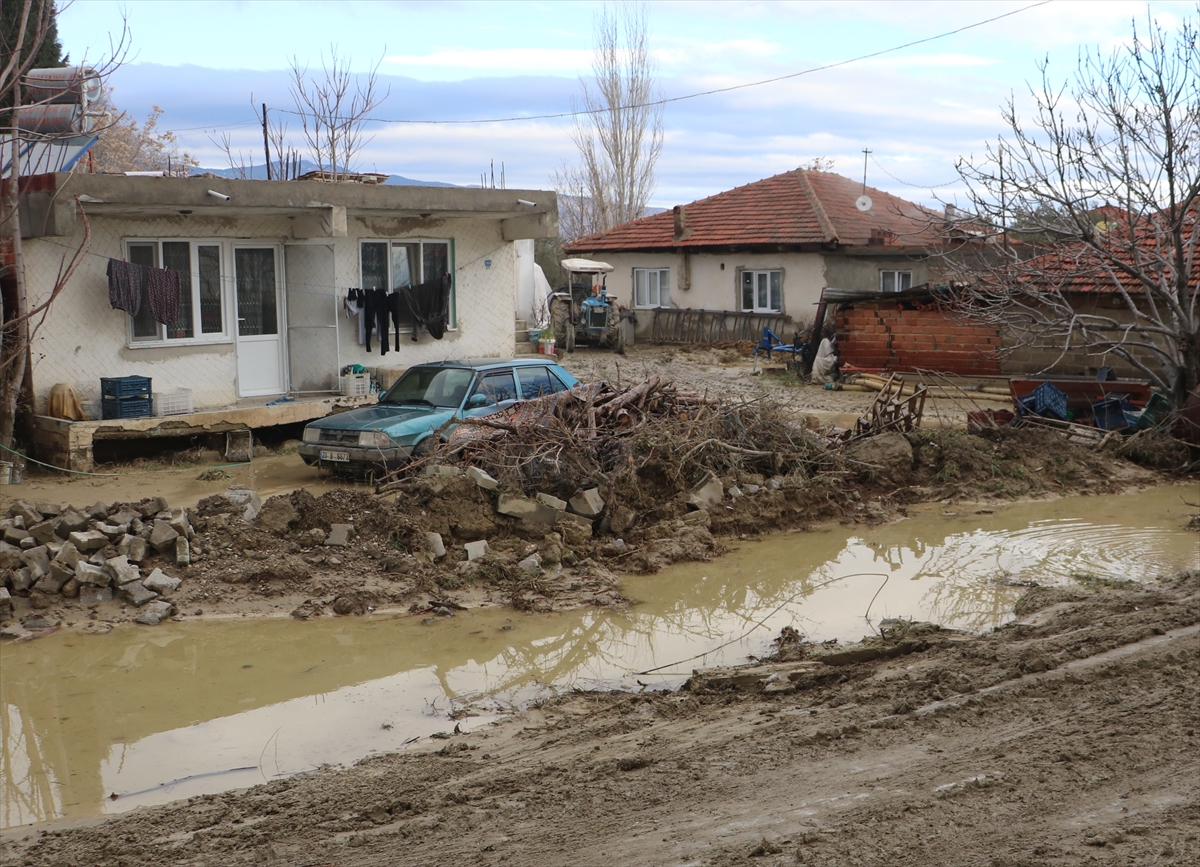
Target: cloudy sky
[[918, 109]]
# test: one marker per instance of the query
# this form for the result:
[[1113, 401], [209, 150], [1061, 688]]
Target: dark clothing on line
[[429, 304], [377, 317], [397, 310], [125, 282], [163, 294]]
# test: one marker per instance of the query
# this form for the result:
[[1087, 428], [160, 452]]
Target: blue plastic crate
[[124, 386], [1047, 401], [125, 407], [1113, 414]]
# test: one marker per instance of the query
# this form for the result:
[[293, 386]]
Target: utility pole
[[866, 154], [266, 142]]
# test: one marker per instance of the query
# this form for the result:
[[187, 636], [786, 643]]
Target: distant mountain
[[260, 173]]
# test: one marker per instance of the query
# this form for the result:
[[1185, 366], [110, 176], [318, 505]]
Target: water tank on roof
[[77, 85], [54, 119]]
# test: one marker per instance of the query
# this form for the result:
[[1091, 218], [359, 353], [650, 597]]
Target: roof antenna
[[863, 202]]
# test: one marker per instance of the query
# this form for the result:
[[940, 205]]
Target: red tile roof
[[797, 208]]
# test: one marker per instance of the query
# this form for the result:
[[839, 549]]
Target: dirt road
[[1067, 737]]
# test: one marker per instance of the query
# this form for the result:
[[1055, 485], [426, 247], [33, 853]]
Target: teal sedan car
[[425, 398]]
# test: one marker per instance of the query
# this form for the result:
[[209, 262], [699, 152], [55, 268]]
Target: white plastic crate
[[356, 384], [175, 402]]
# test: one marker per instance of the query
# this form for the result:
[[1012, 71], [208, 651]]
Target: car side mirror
[[477, 400]]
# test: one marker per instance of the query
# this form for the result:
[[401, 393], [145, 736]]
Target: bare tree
[[334, 111], [28, 26], [1091, 210], [128, 146], [618, 129]]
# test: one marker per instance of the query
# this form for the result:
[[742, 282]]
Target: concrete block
[[10, 555], [161, 583], [68, 555], [163, 537], [88, 573], [475, 550], [249, 500], [48, 510], [112, 532], [698, 518], [339, 535], [92, 594], [708, 494], [482, 479], [127, 515], [179, 521], [45, 532], [183, 552], [15, 535], [72, 521], [86, 541], [98, 511], [20, 579], [6, 606], [122, 571], [26, 512], [436, 545], [531, 565], [526, 510], [552, 501], [588, 503], [154, 613], [151, 506], [443, 471], [38, 560], [136, 593], [28, 542], [133, 547], [576, 530]]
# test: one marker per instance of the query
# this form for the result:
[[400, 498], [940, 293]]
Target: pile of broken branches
[[648, 440]]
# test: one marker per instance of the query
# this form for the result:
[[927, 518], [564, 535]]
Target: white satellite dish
[[863, 203]]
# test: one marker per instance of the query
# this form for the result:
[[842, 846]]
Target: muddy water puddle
[[153, 715]]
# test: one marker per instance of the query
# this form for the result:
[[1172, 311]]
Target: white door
[[259, 343]]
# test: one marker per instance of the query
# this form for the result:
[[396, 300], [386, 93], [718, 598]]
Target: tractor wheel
[[619, 343], [560, 322]]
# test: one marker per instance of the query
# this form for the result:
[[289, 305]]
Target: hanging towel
[[429, 304], [162, 292], [355, 308], [125, 286]]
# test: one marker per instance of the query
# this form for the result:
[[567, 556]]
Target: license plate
[[340, 457]]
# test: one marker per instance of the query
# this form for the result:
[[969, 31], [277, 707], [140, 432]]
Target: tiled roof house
[[768, 247]]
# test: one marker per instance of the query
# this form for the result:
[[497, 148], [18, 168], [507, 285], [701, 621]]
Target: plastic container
[[356, 385], [1046, 400], [1111, 414], [545, 345], [1155, 412], [125, 386], [126, 407], [535, 334], [175, 402]]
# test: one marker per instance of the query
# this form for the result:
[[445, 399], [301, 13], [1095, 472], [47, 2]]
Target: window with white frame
[[393, 265], [201, 301], [762, 291], [651, 287], [895, 281]]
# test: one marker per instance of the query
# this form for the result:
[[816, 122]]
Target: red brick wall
[[883, 335]]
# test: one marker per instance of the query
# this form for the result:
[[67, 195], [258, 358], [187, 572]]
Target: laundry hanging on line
[[162, 287], [429, 303]]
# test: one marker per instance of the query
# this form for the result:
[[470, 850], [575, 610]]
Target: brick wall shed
[[903, 336]]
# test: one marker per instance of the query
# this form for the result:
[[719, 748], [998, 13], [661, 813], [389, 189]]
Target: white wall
[[83, 338], [714, 287]]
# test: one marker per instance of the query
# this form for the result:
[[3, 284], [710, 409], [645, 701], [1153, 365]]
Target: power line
[[714, 91], [879, 166]]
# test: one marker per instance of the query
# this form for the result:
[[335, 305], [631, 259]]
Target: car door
[[494, 390]]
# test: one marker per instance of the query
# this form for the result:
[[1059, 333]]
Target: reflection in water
[[185, 708]]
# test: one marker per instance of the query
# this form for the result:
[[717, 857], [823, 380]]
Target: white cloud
[[547, 61]]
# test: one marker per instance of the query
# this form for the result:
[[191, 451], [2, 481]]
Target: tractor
[[583, 311]]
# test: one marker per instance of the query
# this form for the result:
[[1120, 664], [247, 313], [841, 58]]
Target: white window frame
[[199, 338], [658, 295], [900, 280], [755, 274], [452, 324]]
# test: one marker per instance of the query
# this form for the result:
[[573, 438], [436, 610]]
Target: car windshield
[[433, 386]]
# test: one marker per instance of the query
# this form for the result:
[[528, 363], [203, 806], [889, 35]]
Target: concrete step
[[524, 347]]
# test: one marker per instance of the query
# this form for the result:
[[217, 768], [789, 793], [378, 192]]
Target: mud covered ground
[[1068, 737], [278, 564]]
